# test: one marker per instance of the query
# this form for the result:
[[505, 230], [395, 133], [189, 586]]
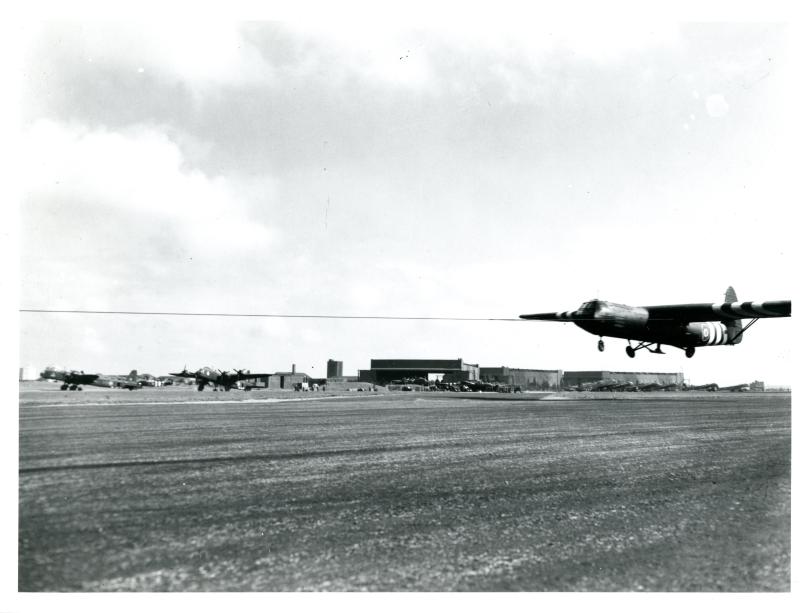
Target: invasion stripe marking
[[741, 308], [748, 309], [715, 333], [759, 308]]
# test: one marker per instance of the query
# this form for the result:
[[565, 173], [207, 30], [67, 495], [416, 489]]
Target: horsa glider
[[685, 326]]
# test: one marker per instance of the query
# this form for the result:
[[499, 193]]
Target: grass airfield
[[175, 490]]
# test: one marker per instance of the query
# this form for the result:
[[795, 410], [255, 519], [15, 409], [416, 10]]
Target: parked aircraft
[[659, 387], [708, 387], [685, 326], [218, 378], [742, 387], [613, 386], [74, 379], [130, 382]]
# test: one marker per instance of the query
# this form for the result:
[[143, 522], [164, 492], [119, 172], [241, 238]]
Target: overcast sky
[[363, 170]]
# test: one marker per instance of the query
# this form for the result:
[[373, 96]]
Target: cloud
[[716, 105], [434, 60], [141, 172], [448, 151], [202, 54]]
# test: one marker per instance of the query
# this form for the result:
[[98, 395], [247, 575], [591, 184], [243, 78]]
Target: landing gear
[[689, 352], [601, 345], [64, 387], [631, 351]]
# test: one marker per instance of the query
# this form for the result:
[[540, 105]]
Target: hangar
[[382, 372], [577, 377], [524, 378]]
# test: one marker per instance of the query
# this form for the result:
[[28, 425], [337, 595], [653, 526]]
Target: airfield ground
[[173, 490]]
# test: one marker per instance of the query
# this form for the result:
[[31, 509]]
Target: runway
[[171, 490]]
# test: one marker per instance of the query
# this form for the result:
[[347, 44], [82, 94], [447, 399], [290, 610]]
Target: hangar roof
[[438, 365]]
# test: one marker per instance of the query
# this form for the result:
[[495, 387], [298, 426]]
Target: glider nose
[[588, 310]]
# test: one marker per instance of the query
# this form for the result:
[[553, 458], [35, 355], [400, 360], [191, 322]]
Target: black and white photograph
[[341, 303]]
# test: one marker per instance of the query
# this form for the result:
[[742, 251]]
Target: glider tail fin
[[734, 326]]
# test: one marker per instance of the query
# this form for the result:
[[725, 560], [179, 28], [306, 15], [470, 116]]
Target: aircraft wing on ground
[[243, 376], [83, 377], [183, 373], [720, 311], [77, 377]]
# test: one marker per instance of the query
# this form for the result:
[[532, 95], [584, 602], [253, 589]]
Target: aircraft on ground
[[601, 385], [708, 387], [74, 379], [612, 386], [685, 326], [218, 378], [742, 387], [659, 387], [130, 382]]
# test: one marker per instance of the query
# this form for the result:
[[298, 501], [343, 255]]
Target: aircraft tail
[[734, 326]]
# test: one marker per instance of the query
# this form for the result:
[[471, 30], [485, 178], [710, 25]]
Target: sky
[[300, 167]]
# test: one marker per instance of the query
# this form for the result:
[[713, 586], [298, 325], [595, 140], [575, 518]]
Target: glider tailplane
[[734, 326]]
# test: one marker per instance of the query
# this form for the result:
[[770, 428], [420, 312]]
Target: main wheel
[[629, 350], [689, 352], [601, 345], [64, 387]]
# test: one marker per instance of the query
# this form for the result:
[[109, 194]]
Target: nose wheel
[[601, 345]]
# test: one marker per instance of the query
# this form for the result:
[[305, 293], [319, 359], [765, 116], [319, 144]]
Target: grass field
[[403, 492]]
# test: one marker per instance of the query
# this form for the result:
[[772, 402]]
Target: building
[[285, 380], [335, 369], [578, 377], [28, 373], [524, 378], [383, 372]]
